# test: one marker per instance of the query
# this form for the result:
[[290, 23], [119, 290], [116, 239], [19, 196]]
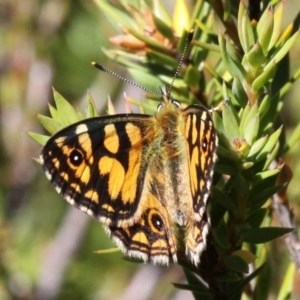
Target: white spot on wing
[[90, 212], [58, 189], [202, 211], [204, 233], [137, 254], [162, 259], [81, 128], [48, 175], [84, 209], [41, 159]]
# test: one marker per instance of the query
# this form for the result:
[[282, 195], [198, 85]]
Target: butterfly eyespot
[[157, 222], [76, 158], [204, 144]]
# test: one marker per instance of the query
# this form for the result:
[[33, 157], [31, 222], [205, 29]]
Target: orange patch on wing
[[108, 207], [56, 163], [111, 140], [60, 141], [116, 179], [195, 131], [193, 169], [65, 176], [105, 165], [134, 133], [83, 172], [161, 245], [187, 126], [76, 187], [93, 195], [129, 188], [86, 144], [141, 238]]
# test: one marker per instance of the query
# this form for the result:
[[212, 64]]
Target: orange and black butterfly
[[141, 176]]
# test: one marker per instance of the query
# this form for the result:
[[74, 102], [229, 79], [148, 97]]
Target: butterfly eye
[[176, 103], [76, 158], [157, 222], [159, 106]]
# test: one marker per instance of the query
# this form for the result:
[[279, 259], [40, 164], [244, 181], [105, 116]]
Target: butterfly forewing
[[98, 165], [202, 143]]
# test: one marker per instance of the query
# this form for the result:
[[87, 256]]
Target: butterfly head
[[167, 103]]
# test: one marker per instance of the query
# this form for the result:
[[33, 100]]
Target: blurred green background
[[46, 246]]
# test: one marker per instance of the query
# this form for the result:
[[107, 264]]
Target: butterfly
[[143, 177]]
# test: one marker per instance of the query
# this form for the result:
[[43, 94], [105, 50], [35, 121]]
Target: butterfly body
[[141, 176]]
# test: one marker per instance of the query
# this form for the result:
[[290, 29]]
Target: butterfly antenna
[[101, 68], [188, 41]]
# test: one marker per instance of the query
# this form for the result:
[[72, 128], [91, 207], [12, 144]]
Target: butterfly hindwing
[[152, 238]]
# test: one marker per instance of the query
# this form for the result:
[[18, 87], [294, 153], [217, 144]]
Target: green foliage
[[242, 64]]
